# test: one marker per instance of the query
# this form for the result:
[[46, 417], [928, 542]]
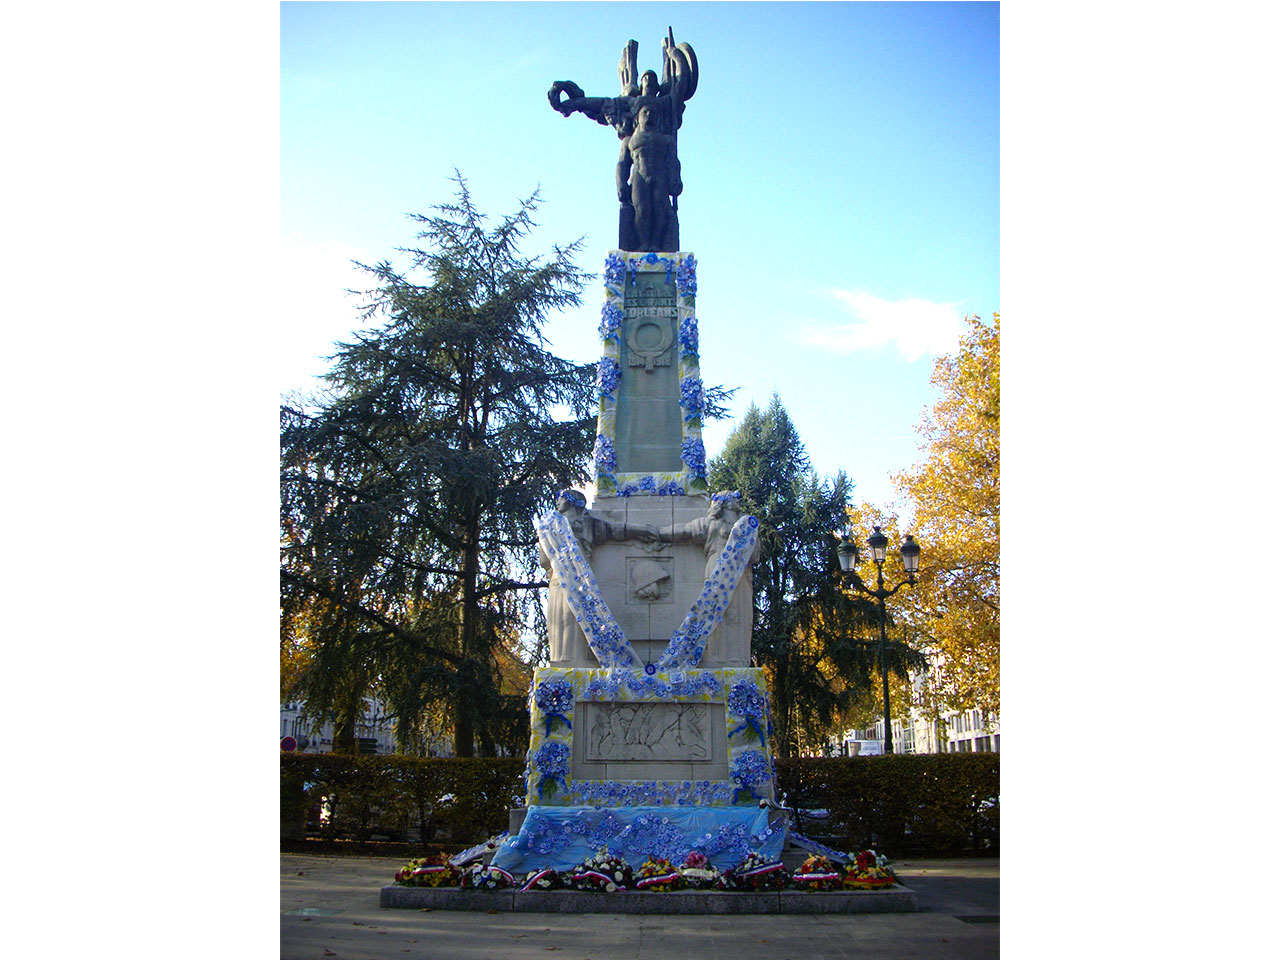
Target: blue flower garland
[[608, 375], [689, 641], [610, 320], [749, 768], [606, 457], [555, 699], [689, 337], [691, 478], [551, 760], [694, 456], [605, 637], [691, 398], [745, 700], [615, 270], [687, 276]]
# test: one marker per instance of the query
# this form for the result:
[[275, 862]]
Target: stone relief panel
[[649, 580], [636, 732], [649, 342]]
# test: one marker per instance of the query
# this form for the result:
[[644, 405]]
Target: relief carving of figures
[[646, 118], [648, 731]]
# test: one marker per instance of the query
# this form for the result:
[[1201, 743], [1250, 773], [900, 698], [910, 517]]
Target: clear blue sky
[[840, 162]]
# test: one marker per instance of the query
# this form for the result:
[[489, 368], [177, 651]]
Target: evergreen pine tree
[[409, 488]]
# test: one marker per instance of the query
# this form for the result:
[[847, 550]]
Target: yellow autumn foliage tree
[[953, 498]]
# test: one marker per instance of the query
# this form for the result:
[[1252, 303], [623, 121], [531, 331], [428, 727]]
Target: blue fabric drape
[[563, 837]]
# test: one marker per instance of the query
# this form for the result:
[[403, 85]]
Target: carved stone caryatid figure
[[714, 530], [563, 630], [646, 117]]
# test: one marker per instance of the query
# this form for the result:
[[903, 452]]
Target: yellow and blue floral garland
[[692, 477]]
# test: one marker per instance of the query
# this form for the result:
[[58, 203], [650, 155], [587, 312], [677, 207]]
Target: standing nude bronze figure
[[646, 118]]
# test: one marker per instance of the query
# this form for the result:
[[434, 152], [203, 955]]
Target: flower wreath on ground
[[817, 873], [658, 876], [870, 871], [434, 871], [698, 873], [602, 872], [480, 877], [547, 879], [756, 873]]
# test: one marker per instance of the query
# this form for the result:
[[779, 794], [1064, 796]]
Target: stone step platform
[[895, 899]]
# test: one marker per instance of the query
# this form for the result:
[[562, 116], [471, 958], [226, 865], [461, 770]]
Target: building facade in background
[[963, 731], [375, 733]]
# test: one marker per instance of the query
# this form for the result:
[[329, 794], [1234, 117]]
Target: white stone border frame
[[691, 479]]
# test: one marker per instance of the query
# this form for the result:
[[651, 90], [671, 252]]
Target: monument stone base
[[895, 899], [645, 763]]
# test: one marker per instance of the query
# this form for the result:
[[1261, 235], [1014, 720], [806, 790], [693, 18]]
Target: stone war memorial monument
[[649, 740], [649, 728]]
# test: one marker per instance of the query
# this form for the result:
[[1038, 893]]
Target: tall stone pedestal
[[650, 728]]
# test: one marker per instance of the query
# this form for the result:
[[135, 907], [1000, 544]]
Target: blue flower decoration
[[687, 276], [749, 768], [694, 456], [551, 760], [689, 335], [746, 700], [614, 269], [691, 397], [610, 320], [605, 456], [554, 698], [608, 374]]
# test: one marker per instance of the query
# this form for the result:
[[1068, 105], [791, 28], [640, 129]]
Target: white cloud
[[917, 327]]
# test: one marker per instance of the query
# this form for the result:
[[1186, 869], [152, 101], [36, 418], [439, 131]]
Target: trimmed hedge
[[458, 801], [944, 804], [920, 805]]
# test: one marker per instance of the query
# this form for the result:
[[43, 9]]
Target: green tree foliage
[[408, 488], [954, 496], [811, 637]]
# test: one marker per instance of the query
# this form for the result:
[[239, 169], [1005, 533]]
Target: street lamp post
[[879, 544]]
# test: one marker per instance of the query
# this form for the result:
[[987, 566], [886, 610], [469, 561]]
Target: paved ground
[[329, 908]]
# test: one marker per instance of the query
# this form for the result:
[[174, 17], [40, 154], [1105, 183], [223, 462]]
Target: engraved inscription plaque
[[650, 317], [631, 732], [648, 417]]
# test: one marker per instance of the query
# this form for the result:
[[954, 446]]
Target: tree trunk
[[344, 734], [781, 713], [463, 727], [468, 681]]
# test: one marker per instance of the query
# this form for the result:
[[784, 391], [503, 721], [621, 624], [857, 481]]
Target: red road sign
[[288, 744]]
